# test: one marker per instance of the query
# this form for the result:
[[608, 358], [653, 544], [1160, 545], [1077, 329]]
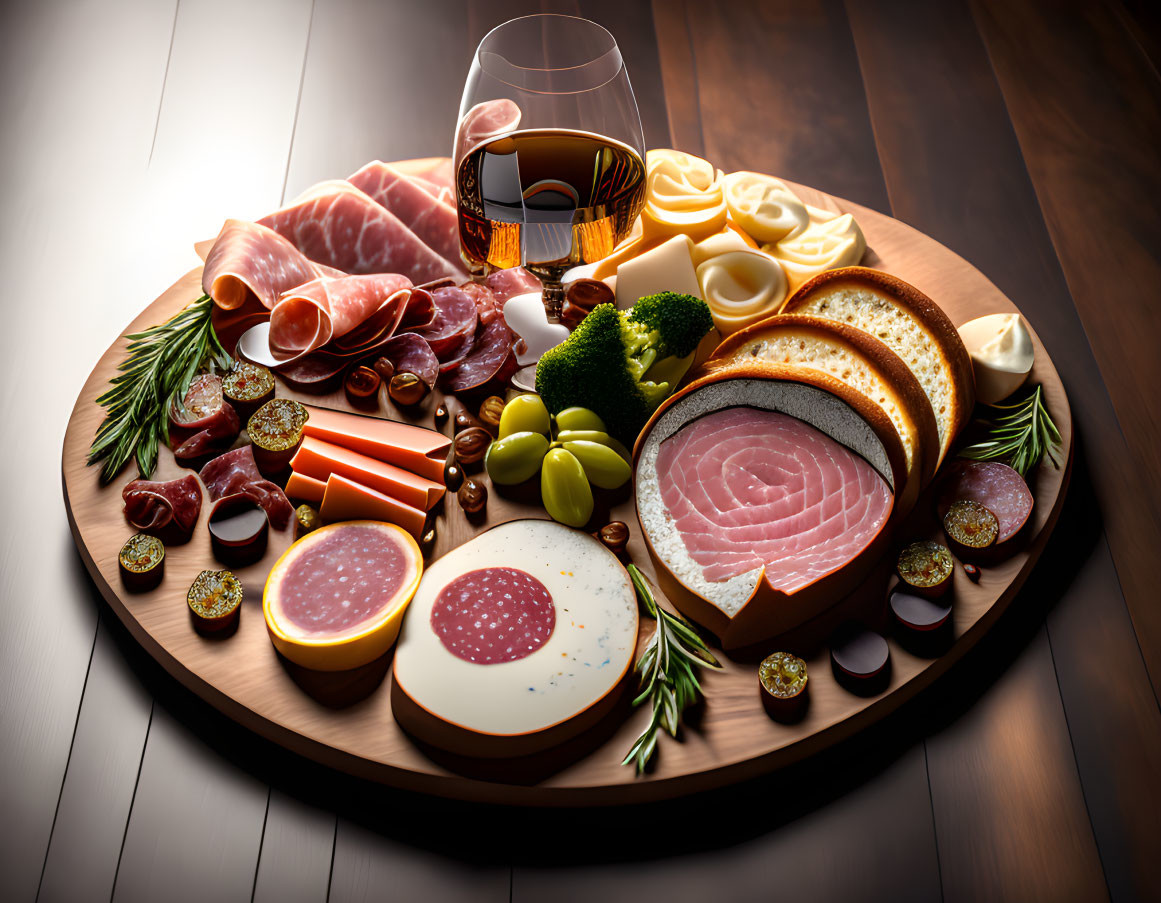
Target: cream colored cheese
[[1002, 354], [666, 268], [829, 241], [764, 206], [741, 287]]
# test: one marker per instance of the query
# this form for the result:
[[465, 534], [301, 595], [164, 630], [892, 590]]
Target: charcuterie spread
[[518, 508]]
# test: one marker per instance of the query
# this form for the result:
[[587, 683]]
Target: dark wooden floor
[[1024, 135]]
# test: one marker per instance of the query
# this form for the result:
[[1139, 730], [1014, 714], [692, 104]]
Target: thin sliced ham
[[249, 260], [337, 225], [236, 473], [156, 506], [431, 219], [482, 123], [749, 488], [312, 314]]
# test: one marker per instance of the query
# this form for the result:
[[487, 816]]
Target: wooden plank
[[1086, 107], [102, 773], [73, 147], [911, 55], [779, 92], [768, 840], [297, 843], [196, 826]]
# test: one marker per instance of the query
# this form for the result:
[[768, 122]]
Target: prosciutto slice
[[484, 122], [171, 506], [337, 225], [249, 260], [311, 315], [749, 488], [431, 219], [506, 284], [235, 473]]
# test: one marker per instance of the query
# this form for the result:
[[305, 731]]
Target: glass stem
[[553, 300]]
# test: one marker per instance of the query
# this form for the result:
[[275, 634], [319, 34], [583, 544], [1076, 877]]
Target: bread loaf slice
[[907, 322], [856, 358]]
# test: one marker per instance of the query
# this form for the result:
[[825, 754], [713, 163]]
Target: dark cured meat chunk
[[492, 350], [235, 473], [455, 317], [411, 354], [487, 305], [996, 486], [454, 358], [493, 615], [155, 506], [218, 435]]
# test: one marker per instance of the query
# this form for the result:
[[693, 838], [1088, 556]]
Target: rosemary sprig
[[1020, 434], [160, 364], [667, 672]]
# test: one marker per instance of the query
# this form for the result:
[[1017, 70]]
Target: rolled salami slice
[[996, 486], [455, 317], [155, 507], [236, 473]]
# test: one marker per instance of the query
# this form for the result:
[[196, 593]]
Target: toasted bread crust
[[925, 311], [890, 368]]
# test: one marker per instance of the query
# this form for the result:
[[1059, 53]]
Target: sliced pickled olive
[[564, 488], [516, 457], [579, 419], [603, 466], [926, 568], [524, 413], [971, 525], [593, 436]]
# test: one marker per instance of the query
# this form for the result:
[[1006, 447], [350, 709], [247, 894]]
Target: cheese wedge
[[304, 488], [422, 451], [320, 459], [347, 500], [666, 268]]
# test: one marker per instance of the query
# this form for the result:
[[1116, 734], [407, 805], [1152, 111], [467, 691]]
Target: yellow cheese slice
[[741, 287]]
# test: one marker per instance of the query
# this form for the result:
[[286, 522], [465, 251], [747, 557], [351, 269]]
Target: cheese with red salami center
[[335, 599], [515, 641]]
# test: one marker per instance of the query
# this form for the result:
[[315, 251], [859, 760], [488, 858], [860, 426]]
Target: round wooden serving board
[[345, 721]]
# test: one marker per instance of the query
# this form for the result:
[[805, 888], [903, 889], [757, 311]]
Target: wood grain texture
[[1088, 117], [244, 677], [295, 861], [48, 620]]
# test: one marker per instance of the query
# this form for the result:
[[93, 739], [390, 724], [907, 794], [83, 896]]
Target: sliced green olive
[[579, 419], [524, 413], [597, 436], [603, 466], [564, 489], [516, 457]]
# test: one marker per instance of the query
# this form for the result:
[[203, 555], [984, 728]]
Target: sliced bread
[[855, 358], [910, 324]]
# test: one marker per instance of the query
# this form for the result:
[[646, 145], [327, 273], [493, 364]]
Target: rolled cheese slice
[[828, 242], [764, 206], [741, 288], [335, 599], [515, 642]]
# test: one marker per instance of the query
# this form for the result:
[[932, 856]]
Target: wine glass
[[549, 152]]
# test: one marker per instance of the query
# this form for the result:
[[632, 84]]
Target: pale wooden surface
[[130, 124], [243, 676]]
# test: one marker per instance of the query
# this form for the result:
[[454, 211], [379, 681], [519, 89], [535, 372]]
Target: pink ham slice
[[433, 221], [248, 260], [748, 488], [484, 122], [156, 506], [235, 473], [337, 225], [311, 315]]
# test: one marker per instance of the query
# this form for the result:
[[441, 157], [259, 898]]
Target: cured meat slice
[[411, 354], [996, 486], [311, 315], [484, 122], [203, 420], [515, 281], [218, 434], [336, 224], [249, 260], [431, 219], [748, 488], [171, 507], [455, 318], [493, 615], [487, 304], [488, 357], [235, 473]]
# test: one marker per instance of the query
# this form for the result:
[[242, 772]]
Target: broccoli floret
[[681, 320], [601, 365]]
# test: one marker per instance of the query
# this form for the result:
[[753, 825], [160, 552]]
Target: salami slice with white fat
[[493, 349], [493, 615], [455, 317], [410, 353], [996, 486]]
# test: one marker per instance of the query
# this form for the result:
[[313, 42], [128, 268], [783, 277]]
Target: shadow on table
[[719, 819]]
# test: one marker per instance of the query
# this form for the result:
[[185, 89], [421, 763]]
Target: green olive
[[564, 489], [597, 436], [524, 413], [516, 457], [579, 419], [603, 466]]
